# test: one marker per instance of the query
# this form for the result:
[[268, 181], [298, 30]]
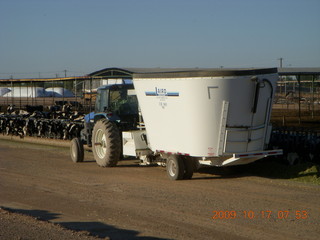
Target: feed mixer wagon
[[216, 117]]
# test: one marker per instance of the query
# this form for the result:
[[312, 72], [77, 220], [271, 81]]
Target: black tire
[[106, 143], [175, 167], [189, 165], [76, 150]]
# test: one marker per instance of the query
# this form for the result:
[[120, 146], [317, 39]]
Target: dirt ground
[[134, 202]]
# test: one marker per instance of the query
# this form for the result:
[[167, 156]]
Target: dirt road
[[133, 202]]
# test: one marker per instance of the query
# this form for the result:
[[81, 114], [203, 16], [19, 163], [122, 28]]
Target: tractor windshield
[[102, 101], [123, 101], [118, 99]]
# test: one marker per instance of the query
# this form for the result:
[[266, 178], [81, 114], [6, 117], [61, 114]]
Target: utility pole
[[65, 73], [280, 59]]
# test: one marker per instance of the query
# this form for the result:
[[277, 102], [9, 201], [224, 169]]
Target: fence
[[297, 100]]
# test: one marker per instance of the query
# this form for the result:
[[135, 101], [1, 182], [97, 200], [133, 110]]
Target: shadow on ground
[[268, 168], [102, 230], [96, 229]]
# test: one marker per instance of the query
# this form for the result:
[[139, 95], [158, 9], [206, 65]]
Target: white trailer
[[217, 117]]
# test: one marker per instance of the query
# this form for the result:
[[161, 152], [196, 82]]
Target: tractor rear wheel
[[175, 167], [76, 150], [106, 143]]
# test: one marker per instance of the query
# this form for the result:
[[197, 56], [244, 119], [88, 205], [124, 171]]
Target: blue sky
[[45, 37]]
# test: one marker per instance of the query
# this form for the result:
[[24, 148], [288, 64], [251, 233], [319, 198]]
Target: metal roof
[[130, 71], [209, 72], [299, 71], [180, 72]]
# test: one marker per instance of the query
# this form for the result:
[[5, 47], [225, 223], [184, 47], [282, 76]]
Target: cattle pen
[[21, 93]]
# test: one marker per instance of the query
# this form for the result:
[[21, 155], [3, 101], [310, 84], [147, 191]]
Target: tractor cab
[[117, 103]]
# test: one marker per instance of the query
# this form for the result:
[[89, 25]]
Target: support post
[[52, 85], [299, 100], [20, 100], [12, 93], [90, 107], [312, 112]]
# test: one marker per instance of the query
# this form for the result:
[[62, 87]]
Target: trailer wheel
[[175, 167], [189, 166], [76, 150], [106, 143]]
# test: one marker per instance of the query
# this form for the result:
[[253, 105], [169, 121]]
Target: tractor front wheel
[[76, 150]]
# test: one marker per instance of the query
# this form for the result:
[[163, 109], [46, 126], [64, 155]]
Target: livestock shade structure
[[58, 92], [26, 92], [34, 92], [207, 113], [4, 91]]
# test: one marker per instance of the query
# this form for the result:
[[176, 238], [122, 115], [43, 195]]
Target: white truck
[[217, 117]]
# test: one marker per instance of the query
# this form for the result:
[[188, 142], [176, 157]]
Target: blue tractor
[[116, 111]]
